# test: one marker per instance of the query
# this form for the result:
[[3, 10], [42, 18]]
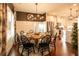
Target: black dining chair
[[54, 40], [18, 43], [27, 45], [44, 44], [0, 41], [53, 44]]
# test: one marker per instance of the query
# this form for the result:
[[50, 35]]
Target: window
[[42, 27]]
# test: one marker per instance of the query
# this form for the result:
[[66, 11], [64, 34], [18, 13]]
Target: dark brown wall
[[22, 16]]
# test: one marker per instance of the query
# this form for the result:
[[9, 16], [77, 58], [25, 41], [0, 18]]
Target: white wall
[[26, 26]]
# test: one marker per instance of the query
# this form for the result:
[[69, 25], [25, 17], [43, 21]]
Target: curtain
[[50, 27]]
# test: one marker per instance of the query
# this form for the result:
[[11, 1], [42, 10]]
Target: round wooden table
[[36, 38]]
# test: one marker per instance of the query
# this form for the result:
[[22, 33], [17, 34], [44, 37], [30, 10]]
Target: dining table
[[36, 36]]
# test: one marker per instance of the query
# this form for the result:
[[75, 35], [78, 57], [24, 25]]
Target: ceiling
[[50, 8]]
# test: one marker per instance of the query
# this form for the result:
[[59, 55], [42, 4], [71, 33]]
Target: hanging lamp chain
[[36, 7]]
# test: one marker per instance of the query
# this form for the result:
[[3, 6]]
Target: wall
[[24, 26], [53, 20], [27, 26]]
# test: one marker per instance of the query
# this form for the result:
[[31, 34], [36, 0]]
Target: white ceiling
[[51, 8]]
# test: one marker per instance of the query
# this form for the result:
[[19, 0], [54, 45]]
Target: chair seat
[[28, 45]]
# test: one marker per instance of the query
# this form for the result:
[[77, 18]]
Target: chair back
[[24, 39], [17, 38], [46, 39], [32, 41], [43, 40], [55, 36], [21, 32]]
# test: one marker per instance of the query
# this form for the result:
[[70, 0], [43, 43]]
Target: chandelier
[[36, 6], [36, 16], [73, 14]]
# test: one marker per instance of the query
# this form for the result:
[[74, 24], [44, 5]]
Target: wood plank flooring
[[62, 49]]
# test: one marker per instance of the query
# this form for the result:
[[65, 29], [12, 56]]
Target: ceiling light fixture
[[36, 16], [74, 4], [73, 14]]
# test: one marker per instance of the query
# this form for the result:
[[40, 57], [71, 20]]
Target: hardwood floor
[[61, 49]]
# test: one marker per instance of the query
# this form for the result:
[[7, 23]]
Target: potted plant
[[74, 41]]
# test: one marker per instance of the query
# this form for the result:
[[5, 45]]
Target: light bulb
[[74, 4]]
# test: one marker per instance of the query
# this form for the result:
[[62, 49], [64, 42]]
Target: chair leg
[[49, 50], [38, 49], [22, 51], [33, 50], [54, 44], [28, 52], [42, 52]]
